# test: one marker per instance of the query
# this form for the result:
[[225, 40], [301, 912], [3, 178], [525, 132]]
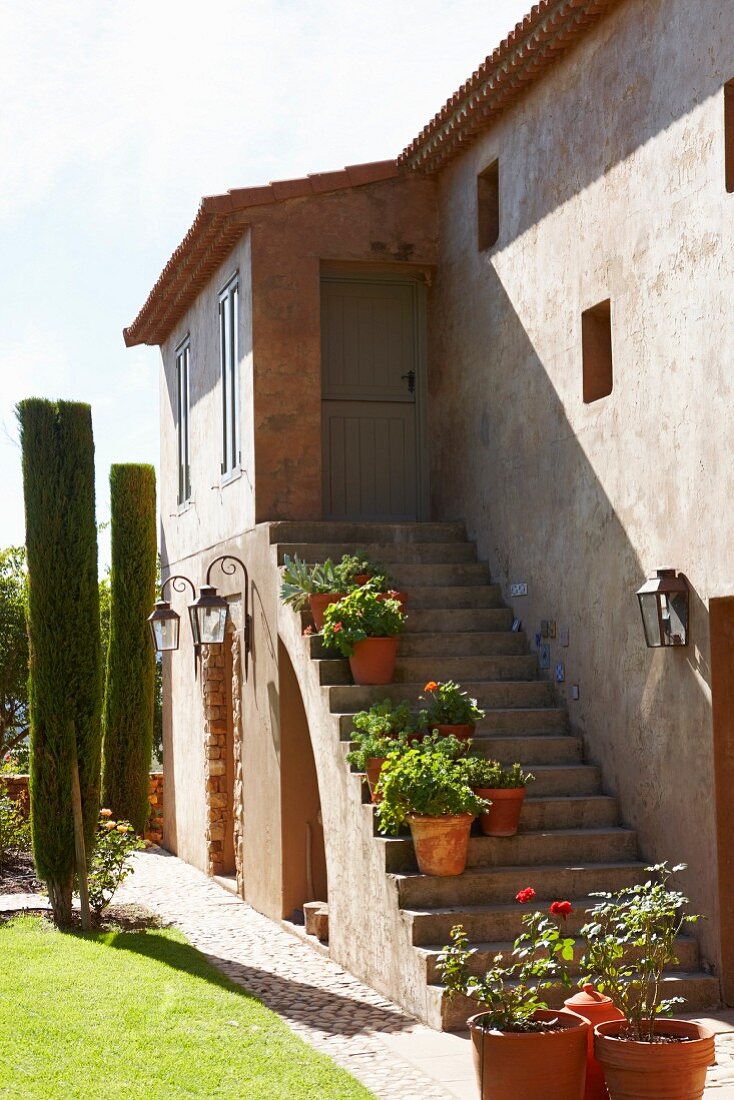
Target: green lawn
[[128, 1015]]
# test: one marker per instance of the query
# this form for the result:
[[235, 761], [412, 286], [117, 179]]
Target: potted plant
[[312, 586], [630, 940], [503, 787], [450, 710], [522, 1050], [427, 790], [358, 569], [365, 629], [388, 719], [370, 752]]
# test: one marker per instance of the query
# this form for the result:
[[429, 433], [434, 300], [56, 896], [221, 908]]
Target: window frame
[[229, 369], [183, 419]]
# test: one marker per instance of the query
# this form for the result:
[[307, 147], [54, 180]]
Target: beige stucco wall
[[612, 185]]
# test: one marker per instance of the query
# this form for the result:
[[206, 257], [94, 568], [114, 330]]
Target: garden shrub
[[109, 866], [14, 831]]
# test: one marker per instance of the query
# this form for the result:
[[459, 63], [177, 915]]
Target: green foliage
[[510, 991], [104, 617], [299, 580], [359, 615], [387, 718], [130, 682], [109, 866], [64, 635], [361, 564], [426, 782], [369, 746], [13, 650], [630, 941], [14, 831], [448, 705], [480, 772]]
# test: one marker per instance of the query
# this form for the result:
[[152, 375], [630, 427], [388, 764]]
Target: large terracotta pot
[[597, 1009], [503, 816], [463, 731], [373, 661], [441, 843], [319, 604], [548, 1065], [373, 768], [655, 1071]]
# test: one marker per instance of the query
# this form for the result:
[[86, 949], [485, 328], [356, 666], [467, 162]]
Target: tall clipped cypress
[[130, 684], [65, 686]]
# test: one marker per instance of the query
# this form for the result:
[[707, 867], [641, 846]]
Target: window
[[182, 425], [596, 340], [488, 206], [729, 135], [230, 364]]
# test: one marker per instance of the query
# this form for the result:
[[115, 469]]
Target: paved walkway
[[393, 1055]]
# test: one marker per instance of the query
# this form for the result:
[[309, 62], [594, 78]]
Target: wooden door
[[370, 358]]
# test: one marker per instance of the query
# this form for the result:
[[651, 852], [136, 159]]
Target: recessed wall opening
[[729, 135], [596, 339], [488, 206]]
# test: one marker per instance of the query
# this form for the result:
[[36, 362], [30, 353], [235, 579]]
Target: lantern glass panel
[[675, 618], [165, 634], [212, 624], [650, 621]]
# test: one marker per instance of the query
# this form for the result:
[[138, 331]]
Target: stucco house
[[503, 361]]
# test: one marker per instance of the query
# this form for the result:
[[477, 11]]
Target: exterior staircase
[[570, 841]]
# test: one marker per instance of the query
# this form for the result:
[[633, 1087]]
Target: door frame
[[417, 282]]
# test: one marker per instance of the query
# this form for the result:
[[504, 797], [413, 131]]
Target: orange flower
[[105, 813], [337, 628], [109, 825], [123, 829], [431, 686]]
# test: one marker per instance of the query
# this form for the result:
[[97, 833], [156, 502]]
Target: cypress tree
[[65, 686], [130, 684]]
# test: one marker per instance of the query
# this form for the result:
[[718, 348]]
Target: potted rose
[[522, 1050], [503, 787], [630, 940], [310, 586], [365, 629], [450, 710], [426, 790]]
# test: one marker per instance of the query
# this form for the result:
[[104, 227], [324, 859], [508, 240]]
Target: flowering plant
[[448, 705], [630, 940], [359, 615], [114, 844], [424, 781], [510, 991]]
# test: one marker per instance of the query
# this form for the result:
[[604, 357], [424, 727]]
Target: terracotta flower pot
[[319, 604], [373, 768], [503, 816], [373, 661], [463, 731], [597, 1009], [362, 578], [441, 843], [548, 1065], [655, 1071]]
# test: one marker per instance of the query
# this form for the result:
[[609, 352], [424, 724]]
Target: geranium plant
[[361, 614], [511, 990], [447, 705], [490, 774], [387, 719], [630, 940], [420, 781], [109, 866], [369, 746]]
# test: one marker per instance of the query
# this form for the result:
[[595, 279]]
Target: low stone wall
[[17, 787]]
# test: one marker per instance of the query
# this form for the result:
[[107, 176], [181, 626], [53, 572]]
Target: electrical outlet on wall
[[544, 657], [560, 672], [575, 692], [563, 635], [552, 628], [519, 589]]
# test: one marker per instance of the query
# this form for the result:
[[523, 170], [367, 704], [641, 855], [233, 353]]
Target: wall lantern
[[664, 607], [164, 622]]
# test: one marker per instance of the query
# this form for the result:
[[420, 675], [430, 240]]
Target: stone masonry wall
[[215, 767], [239, 822]]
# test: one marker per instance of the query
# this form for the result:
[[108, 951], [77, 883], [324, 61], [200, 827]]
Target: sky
[[116, 117]]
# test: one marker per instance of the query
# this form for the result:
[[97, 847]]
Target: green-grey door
[[370, 377]]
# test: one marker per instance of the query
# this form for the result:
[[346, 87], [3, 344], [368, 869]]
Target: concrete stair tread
[[360, 696], [516, 871], [486, 669], [456, 596], [364, 532], [383, 553]]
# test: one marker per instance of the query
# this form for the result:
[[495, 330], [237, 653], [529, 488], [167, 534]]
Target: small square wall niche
[[596, 340]]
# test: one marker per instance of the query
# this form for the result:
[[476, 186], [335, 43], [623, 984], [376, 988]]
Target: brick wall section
[[239, 814], [215, 737]]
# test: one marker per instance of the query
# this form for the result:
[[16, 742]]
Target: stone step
[[452, 596], [565, 779], [340, 531], [529, 849], [523, 721], [406, 577], [413, 670], [466, 644], [487, 922], [485, 952], [488, 885], [386, 553], [591, 811], [466, 620], [529, 751], [348, 698], [700, 991]]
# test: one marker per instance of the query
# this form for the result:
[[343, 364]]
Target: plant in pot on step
[[358, 569], [522, 1050], [370, 752], [630, 941], [310, 586], [503, 787], [450, 710], [365, 629], [426, 790]]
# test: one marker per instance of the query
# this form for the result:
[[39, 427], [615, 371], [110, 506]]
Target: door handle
[[410, 379]]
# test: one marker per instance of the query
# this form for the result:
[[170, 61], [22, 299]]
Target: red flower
[[525, 895], [337, 627], [431, 686], [560, 909]]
